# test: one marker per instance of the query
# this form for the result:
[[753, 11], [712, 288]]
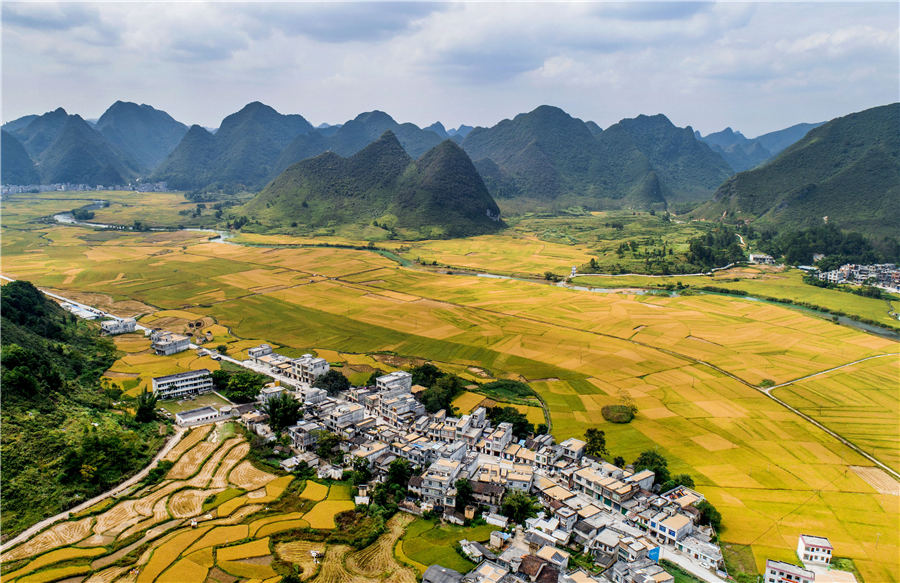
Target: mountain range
[[845, 172], [743, 153], [439, 194]]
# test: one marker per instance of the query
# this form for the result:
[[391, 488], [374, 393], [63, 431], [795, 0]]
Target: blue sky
[[755, 67]]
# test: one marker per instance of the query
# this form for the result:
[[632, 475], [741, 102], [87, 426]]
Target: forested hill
[[61, 442], [382, 187], [847, 170]]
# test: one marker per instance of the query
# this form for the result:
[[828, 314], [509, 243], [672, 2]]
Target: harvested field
[[878, 479], [59, 535], [377, 559], [332, 570], [205, 475], [298, 554], [188, 464], [187, 503], [107, 575], [188, 441], [236, 454], [246, 476]]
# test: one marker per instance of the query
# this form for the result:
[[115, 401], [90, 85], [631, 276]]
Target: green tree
[[332, 381], [441, 394], [521, 427], [519, 506], [361, 472], [426, 375], [220, 379], [619, 461], [595, 442], [283, 411], [399, 472], [222, 348], [541, 429], [327, 445], [146, 407], [244, 386], [464, 493], [654, 461], [709, 515]]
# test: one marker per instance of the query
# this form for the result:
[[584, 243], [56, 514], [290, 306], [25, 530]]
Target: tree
[[709, 515], [541, 429], [519, 506], [426, 375], [327, 444], [596, 442], [441, 394], [399, 472], [651, 460], [521, 427], [146, 407], [283, 411], [619, 461], [332, 381], [361, 472], [464, 493], [220, 379], [222, 348], [244, 386], [678, 480]]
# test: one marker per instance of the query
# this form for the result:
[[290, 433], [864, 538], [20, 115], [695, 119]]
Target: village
[[589, 507]]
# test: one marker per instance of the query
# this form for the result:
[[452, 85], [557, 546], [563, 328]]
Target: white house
[[779, 572], [814, 549], [118, 326], [166, 343], [175, 386]]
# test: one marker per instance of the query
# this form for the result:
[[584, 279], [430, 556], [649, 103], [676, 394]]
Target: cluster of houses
[[885, 275], [590, 506], [70, 187]]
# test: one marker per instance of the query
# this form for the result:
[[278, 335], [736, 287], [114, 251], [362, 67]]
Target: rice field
[[426, 542], [690, 363], [321, 516]]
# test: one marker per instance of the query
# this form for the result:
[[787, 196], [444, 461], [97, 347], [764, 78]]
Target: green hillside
[[40, 132], [356, 134], [240, 155], [847, 170], [144, 134], [689, 169], [16, 167], [80, 155], [62, 442], [440, 194], [548, 160]]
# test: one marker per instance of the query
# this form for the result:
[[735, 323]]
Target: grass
[[770, 473], [208, 399], [427, 542], [680, 575]]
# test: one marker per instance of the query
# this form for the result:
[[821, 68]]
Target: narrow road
[[38, 527]]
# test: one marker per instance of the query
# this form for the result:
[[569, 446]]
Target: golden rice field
[[234, 540], [690, 363]]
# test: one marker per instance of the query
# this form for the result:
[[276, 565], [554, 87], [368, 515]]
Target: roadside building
[[118, 326], [780, 572], [308, 368], [176, 386], [166, 343]]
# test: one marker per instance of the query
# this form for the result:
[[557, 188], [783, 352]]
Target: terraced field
[[690, 363]]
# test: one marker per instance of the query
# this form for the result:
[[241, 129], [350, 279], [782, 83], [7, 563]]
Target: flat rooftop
[[197, 413], [183, 375]]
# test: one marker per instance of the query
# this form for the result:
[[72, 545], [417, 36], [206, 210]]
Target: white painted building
[[779, 572], [166, 343], [814, 549], [183, 384], [118, 326], [400, 381], [308, 368]]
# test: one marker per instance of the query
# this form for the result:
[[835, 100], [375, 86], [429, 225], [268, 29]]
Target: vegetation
[[332, 381], [715, 249], [709, 515], [518, 506], [242, 386], [617, 413], [62, 441], [438, 195], [839, 247], [595, 442], [845, 170], [146, 407], [283, 411], [440, 387], [142, 133], [654, 461], [521, 427], [16, 166]]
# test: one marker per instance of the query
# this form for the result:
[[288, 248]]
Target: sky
[[755, 67]]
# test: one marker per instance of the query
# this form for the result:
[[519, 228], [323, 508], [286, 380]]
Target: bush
[[617, 413]]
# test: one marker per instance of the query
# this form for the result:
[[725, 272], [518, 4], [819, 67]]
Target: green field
[[179, 405], [427, 542], [690, 363]]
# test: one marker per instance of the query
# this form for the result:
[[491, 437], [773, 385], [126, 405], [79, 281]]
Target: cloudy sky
[[752, 66]]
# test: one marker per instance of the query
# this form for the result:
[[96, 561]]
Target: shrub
[[617, 413]]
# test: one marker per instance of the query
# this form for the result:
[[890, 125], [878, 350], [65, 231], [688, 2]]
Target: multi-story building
[[270, 391], [118, 326], [779, 572], [258, 352], [175, 386], [400, 381], [439, 479], [308, 368], [814, 549], [344, 416], [305, 435], [166, 343], [608, 489]]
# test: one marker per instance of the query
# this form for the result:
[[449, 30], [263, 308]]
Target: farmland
[[690, 363], [426, 542], [147, 529]]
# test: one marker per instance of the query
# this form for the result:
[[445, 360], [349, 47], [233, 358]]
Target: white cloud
[[756, 67]]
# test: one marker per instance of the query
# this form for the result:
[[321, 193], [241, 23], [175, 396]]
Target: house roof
[[531, 565], [438, 574]]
